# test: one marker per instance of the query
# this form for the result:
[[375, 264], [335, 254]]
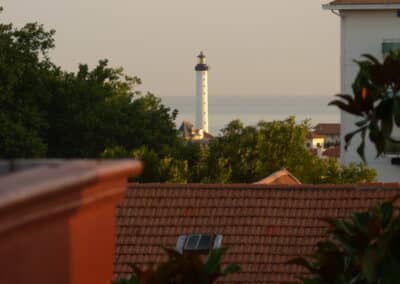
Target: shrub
[[363, 250], [186, 268]]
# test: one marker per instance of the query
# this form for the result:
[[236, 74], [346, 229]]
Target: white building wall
[[202, 100], [364, 32]]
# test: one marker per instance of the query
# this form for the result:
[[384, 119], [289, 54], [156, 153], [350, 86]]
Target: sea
[[252, 109]]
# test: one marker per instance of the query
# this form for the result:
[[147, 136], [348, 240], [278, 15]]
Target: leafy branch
[[186, 268], [376, 99], [360, 250]]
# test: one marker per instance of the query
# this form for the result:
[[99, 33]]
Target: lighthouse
[[201, 122]]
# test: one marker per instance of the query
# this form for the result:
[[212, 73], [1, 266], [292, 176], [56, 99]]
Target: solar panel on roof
[[192, 242], [204, 242], [198, 242]]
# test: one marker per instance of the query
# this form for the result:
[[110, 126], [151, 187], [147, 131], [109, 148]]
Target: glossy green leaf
[[369, 266], [386, 214], [350, 136], [345, 107], [231, 268], [361, 220], [372, 58], [302, 262], [362, 123]]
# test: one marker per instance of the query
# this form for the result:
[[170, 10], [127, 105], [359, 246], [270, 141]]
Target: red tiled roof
[[313, 135], [262, 228], [333, 152], [327, 129], [208, 135], [280, 177], [367, 2]]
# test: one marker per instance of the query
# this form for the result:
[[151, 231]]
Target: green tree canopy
[[48, 112], [25, 70]]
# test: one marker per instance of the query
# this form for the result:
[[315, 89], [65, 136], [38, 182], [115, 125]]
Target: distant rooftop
[[328, 129], [314, 135], [365, 2], [280, 177], [363, 5]]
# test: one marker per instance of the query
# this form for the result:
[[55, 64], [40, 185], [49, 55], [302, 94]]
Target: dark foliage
[[47, 112], [362, 250], [187, 268], [376, 99]]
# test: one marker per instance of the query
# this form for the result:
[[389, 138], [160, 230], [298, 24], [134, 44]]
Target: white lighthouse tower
[[201, 68]]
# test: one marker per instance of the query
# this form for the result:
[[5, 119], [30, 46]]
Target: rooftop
[[263, 226], [280, 177], [363, 5], [349, 2], [328, 129], [314, 135]]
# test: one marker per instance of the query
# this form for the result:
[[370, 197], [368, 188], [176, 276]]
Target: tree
[[362, 250], [254, 152], [24, 90], [95, 110], [48, 112], [244, 155]]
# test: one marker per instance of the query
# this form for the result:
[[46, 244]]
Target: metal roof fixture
[[198, 243]]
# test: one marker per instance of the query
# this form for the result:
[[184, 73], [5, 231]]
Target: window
[[198, 243], [390, 45], [204, 243], [192, 242], [392, 148]]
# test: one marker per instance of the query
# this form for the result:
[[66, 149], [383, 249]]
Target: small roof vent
[[198, 243]]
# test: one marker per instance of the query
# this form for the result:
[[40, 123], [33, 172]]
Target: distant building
[[190, 133], [323, 141], [315, 141], [332, 153], [330, 132], [280, 177], [371, 27]]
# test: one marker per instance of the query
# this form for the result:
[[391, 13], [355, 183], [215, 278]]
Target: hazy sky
[[254, 47]]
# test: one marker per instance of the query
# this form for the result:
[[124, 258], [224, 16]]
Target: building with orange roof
[[330, 132], [315, 141], [332, 153], [280, 177]]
